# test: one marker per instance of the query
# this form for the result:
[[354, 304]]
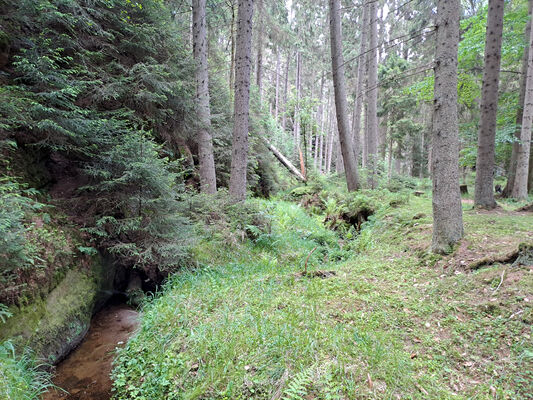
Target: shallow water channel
[[84, 374]]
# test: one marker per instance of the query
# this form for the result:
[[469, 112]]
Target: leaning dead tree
[[285, 161]]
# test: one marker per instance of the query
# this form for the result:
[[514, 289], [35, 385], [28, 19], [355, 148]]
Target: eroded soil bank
[[84, 374]]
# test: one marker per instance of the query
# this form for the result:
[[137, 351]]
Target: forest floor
[[392, 321]]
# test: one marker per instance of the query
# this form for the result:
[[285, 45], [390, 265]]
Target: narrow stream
[[84, 374]]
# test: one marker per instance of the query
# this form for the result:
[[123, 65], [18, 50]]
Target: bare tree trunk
[[296, 127], [365, 137], [530, 179], [208, 181], [259, 69], [361, 80], [324, 137], [239, 154], [341, 104], [447, 210], [232, 62], [372, 123], [383, 136], [339, 163], [276, 101], [519, 112], [285, 161], [522, 160], [285, 91], [484, 193], [331, 137], [319, 117], [391, 144]]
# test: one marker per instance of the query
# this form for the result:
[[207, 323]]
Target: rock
[[525, 255], [134, 290], [56, 324]]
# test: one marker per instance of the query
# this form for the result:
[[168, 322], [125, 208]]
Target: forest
[[266, 199]]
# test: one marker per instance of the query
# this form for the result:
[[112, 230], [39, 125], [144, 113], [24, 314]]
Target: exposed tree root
[[521, 256], [527, 207]]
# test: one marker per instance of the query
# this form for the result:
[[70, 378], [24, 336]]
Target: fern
[[331, 388], [298, 387]]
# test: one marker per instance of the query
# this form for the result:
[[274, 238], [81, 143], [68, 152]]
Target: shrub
[[16, 251], [139, 201]]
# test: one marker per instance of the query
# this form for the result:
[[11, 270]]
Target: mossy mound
[[54, 325]]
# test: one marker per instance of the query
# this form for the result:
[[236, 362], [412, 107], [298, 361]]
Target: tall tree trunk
[[341, 104], [391, 145], [319, 117], [447, 210], [239, 154], [522, 159], [276, 101], [372, 131], [208, 182], [361, 80], [383, 127], [519, 112], [260, 34], [484, 192], [296, 127], [530, 179], [331, 137], [324, 137], [232, 61], [365, 136], [285, 93]]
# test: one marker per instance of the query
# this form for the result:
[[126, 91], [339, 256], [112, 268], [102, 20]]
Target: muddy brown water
[[84, 374]]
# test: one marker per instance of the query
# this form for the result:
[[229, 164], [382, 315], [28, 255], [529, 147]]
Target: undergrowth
[[392, 322], [21, 377]]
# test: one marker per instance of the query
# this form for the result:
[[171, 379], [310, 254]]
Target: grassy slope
[[390, 324]]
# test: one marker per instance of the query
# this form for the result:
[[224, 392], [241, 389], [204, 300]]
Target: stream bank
[[84, 374]]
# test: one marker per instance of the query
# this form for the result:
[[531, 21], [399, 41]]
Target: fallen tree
[[285, 161]]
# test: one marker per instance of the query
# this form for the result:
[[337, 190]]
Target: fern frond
[[299, 385]]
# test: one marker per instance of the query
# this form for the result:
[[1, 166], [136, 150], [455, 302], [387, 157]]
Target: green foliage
[[139, 210], [4, 313], [22, 377], [246, 324], [297, 388], [16, 251]]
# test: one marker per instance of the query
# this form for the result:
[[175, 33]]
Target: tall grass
[[21, 377]]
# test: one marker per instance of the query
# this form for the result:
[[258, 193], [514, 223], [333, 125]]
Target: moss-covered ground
[[393, 322]]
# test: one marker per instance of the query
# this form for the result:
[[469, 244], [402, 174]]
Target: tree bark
[[260, 34], [331, 137], [372, 131], [519, 112], [243, 62], [447, 211], [524, 146], [530, 179], [208, 182], [341, 104], [285, 93], [383, 129], [360, 87], [484, 193], [296, 127], [276, 100], [320, 119], [232, 61]]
